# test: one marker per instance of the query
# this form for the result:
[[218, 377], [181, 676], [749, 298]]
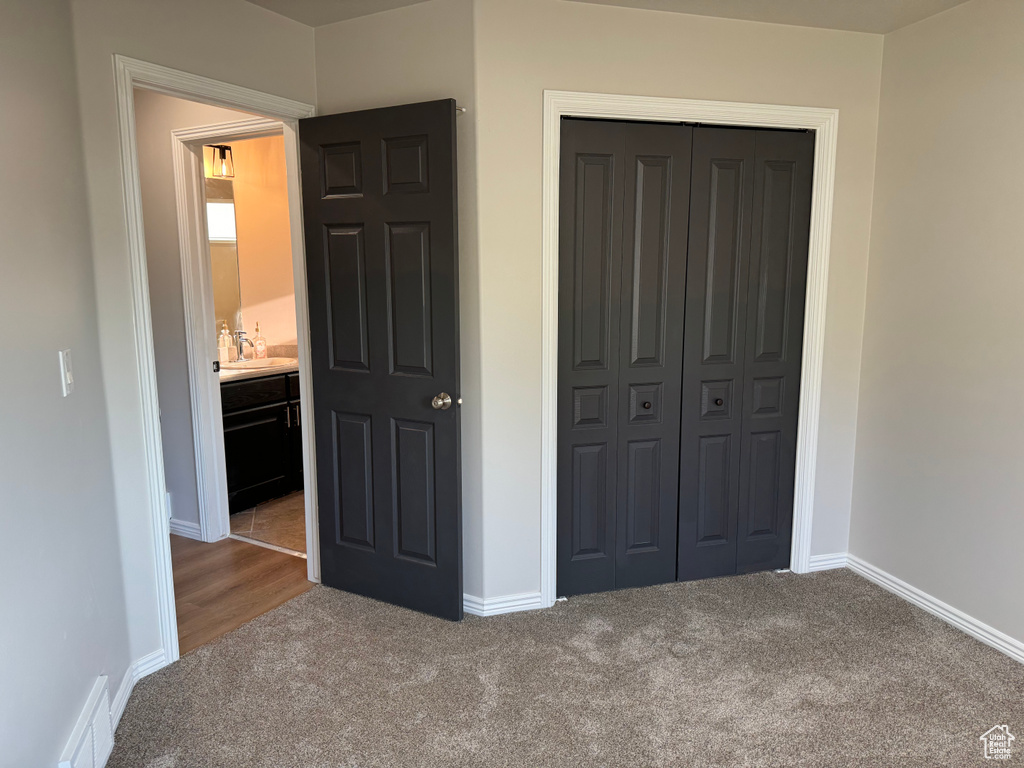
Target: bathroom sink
[[266, 362]]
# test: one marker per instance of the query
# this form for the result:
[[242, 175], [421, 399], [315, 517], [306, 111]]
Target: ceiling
[[879, 16], [316, 13]]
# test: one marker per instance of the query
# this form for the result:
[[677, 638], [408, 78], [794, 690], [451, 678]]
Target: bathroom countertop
[[240, 374]]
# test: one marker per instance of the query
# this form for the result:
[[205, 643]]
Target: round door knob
[[442, 402], [719, 401], [647, 405]]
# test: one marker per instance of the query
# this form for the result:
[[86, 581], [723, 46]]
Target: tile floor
[[281, 522]]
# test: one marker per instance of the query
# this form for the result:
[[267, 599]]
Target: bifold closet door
[[746, 281], [622, 253]]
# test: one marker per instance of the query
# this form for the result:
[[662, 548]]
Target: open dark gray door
[[379, 205]]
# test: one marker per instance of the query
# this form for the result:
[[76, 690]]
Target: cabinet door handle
[[298, 418], [288, 417]]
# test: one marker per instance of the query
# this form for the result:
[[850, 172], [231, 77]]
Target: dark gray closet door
[[746, 278], [590, 260], [623, 208], [721, 198], [656, 207], [776, 289]]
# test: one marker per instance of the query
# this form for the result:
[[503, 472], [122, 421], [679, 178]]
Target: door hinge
[[216, 366]]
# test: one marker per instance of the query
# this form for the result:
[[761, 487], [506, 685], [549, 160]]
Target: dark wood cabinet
[[262, 439]]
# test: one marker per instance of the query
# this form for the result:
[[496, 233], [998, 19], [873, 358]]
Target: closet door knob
[[647, 405], [719, 401]]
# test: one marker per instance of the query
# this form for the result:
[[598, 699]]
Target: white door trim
[[128, 75], [200, 324], [824, 122]]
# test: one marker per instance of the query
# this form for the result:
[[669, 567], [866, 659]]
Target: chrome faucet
[[240, 339]]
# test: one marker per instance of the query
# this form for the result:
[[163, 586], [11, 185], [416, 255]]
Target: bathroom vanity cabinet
[[262, 438]]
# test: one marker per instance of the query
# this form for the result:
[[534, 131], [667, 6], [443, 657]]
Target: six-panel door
[[379, 205]]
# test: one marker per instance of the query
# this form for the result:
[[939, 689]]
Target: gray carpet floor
[[762, 670]]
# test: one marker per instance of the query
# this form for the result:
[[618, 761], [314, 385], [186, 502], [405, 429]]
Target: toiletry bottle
[[224, 343], [259, 345]]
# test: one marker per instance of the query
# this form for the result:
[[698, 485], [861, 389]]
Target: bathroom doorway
[[219, 195], [251, 270]]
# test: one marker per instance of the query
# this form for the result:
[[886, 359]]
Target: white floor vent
[[92, 739]]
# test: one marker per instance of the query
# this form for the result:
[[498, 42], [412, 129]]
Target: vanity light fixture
[[223, 164]]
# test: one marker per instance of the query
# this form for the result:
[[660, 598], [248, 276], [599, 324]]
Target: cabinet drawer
[[239, 395]]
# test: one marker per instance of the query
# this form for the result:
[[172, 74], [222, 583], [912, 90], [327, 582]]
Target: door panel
[[722, 187], [623, 209], [353, 497], [762, 464], [590, 502], [643, 495], [750, 220], [653, 276], [346, 305], [649, 257], [379, 204], [590, 212], [407, 261], [413, 479], [714, 502], [727, 224], [594, 256], [784, 164]]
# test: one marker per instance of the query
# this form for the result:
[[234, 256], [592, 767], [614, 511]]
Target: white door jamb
[[130, 74], [200, 325]]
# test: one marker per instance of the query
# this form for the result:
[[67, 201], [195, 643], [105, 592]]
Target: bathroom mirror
[[220, 220], [249, 229]]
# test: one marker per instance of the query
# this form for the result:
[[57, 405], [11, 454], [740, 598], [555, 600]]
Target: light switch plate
[[67, 377]]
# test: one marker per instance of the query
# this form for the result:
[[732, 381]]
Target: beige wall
[[420, 53], [62, 613], [525, 47], [939, 484], [264, 239], [263, 51], [156, 115], [520, 49]]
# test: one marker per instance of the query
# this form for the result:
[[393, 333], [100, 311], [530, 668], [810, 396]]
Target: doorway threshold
[[267, 545]]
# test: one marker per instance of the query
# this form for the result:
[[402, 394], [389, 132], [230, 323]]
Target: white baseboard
[[827, 562], [144, 666], [493, 606], [92, 738], [187, 529], [976, 629]]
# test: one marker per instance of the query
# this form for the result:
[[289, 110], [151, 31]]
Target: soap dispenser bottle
[[224, 343], [259, 345]]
